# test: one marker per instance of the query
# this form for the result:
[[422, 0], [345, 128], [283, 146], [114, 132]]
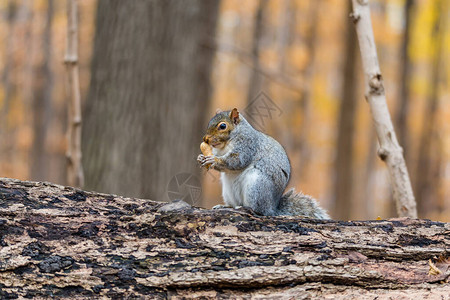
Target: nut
[[206, 149]]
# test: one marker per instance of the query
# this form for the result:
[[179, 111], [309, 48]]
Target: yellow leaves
[[422, 39]]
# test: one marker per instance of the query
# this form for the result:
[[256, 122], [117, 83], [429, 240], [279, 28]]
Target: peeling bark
[[58, 241]]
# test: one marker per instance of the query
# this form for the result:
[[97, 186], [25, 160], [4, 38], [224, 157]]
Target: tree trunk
[[343, 173], [425, 197], [390, 151], [256, 79], [9, 86], [405, 78], [150, 85], [63, 242], [9, 61], [42, 102], [303, 143], [369, 180]]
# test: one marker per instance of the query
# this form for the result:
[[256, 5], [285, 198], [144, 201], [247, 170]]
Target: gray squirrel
[[254, 168]]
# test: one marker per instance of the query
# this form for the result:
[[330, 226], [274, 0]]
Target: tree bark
[[149, 92], [75, 174], [60, 241], [42, 102], [343, 173], [390, 151]]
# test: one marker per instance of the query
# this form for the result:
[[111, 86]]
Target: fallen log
[[58, 241]]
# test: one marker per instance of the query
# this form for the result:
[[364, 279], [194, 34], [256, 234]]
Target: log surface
[[57, 241]]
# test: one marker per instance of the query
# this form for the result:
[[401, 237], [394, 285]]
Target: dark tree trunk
[[343, 175], [405, 78], [42, 103], [426, 197], [256, 79], [61, 242], [150, 86]]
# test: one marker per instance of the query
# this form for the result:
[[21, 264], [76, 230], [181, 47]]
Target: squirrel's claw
[[206, 161]]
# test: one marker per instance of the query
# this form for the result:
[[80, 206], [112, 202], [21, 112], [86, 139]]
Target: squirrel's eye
[[222, 126]]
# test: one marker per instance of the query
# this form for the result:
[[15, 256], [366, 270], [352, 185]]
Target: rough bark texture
[[146, 109], [390, 151], [58, 241]]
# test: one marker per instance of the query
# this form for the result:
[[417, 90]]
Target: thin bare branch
[[75, 175], [390, 151]]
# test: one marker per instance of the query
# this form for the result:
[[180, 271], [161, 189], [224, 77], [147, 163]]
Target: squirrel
[[254, 167]]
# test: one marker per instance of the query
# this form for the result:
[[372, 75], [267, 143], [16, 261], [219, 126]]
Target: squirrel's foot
[[247, 209], [206, 161], [220, 206]]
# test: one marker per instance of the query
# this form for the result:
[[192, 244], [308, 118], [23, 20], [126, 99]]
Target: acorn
[[206, 149]]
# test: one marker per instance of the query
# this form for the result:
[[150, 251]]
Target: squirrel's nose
[[206, 139]]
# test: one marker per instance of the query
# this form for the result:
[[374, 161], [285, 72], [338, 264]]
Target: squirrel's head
[[220, 127]]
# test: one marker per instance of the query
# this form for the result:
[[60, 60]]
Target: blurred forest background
[[152, 73]]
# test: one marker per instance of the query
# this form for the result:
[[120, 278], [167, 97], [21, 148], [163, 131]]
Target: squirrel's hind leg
[[259, 194]]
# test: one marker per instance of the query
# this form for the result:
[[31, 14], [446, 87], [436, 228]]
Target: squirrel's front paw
[[206, 161]]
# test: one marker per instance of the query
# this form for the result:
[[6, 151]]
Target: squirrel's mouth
[[216, 145]]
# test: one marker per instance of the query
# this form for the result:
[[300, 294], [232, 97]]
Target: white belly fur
[[236, 185]]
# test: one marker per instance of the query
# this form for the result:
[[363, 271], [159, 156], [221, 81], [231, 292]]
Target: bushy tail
[[298, 204]]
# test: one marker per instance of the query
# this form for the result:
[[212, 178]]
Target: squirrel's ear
[[218, 111], [234, 116]]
